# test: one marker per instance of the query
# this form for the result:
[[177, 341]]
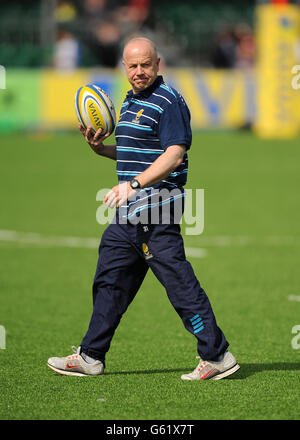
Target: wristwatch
[[135, 184]]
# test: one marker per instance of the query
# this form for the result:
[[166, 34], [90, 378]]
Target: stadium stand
[[188, 33]]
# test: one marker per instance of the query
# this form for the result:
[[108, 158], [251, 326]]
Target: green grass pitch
[[250, 272]]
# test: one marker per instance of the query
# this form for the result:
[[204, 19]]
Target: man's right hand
[[95, 140]]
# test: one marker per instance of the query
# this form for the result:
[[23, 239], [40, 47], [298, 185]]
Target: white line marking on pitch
[[43, 240], [73, 242], [244, 240], [195, 252], [294, 298], [192, 251]]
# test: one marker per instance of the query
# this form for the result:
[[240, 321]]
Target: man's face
[[141, 67]]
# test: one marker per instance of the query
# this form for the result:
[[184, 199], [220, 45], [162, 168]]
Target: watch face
[[134, 184]]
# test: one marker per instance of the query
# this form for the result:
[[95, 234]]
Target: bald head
[[140, 45], [141, 63]]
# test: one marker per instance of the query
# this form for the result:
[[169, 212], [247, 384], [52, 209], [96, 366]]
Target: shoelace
[[75, 351], [197, 368]]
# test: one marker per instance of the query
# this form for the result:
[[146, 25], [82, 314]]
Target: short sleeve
[[174, 125]]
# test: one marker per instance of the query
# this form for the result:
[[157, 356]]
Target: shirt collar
[[148, 91]]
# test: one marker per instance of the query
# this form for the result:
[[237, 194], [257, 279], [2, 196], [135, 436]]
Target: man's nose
[[139, 70]]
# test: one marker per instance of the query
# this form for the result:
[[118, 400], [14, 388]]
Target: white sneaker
[[206, 370], [75, 365]]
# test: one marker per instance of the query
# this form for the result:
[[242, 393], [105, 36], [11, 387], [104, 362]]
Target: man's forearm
[[162, 166], [95, 141], [159, 170], [109, 151]]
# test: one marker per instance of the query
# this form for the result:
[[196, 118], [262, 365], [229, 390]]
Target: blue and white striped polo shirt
[[149, 123]]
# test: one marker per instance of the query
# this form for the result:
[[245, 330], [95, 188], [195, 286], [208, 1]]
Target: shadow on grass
[[178, 370], [246, 370]]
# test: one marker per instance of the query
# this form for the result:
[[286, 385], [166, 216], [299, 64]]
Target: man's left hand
[[119, 194]]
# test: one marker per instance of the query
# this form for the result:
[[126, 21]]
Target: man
[[153, 135]]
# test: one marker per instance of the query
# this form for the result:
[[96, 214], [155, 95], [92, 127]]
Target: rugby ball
[[94, 108]]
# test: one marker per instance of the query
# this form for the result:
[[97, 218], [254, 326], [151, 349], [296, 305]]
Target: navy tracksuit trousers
[[126, 253]]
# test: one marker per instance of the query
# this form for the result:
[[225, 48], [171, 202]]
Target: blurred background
[[237, 64], [231, 59]]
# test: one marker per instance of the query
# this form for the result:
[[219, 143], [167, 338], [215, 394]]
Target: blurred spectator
[[102, 34], [95, 9], [245, 48], [66, 52], [140, 10], [225, 50], [65, 11], [133, 15], [106, 43], [235, 48], [108, 23]]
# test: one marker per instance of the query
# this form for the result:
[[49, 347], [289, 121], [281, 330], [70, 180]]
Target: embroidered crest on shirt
[[146, 251], [138, 115]]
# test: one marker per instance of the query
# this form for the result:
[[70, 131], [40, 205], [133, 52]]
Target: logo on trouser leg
[[197, 323], [146, 251]]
